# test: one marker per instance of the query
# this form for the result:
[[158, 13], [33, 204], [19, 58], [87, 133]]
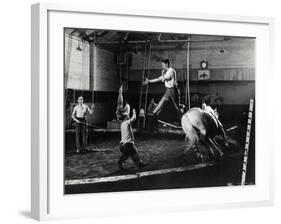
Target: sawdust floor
[[158, 151]]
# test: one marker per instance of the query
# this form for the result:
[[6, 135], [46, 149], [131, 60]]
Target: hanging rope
[[67, 66], [93, 60], [141, 87], [120, 68], [146, 92], [143, 77], [180, 76], [187, 91], [67, 60], [84, 57]]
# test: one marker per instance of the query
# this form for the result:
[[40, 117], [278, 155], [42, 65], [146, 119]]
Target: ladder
[[247, 142]]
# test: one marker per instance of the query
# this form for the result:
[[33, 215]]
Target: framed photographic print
[[161, 111]]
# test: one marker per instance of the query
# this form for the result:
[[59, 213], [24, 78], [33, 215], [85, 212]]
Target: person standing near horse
[[206, 106], [151, 121], [79, 115], [169, 78]]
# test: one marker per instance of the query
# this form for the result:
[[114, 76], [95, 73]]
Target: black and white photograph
[[139, 112], [151, 111]]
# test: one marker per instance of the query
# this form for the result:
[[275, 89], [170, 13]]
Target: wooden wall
[[100, 78], [77, 67], [232, 72], [238, 53], [236, 63], [76, 64]]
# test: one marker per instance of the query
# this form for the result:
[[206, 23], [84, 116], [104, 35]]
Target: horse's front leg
[[215, 145], [208, 146]]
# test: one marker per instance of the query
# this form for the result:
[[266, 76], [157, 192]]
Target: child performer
[[127, 144]]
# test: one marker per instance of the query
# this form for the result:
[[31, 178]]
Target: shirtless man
[[79, 115], [169, 78]]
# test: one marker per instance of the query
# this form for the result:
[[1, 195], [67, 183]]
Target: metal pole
[[187, 93], [247, 142], [160, 41]]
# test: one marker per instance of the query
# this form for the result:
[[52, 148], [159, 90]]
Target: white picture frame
[[48, 200]]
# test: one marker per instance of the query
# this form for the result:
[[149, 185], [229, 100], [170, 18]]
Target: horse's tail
[[189, 130]]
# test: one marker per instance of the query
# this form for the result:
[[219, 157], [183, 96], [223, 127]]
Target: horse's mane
[[195, 108]]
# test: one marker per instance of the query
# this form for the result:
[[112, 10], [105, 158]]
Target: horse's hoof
[[201, 158]]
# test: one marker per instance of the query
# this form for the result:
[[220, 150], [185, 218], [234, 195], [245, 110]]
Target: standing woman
[[79, 115]]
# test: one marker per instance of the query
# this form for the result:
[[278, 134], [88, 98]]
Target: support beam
[[160, 41], [187, 90]]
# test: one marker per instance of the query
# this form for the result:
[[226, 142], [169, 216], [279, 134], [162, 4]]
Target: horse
[[201, 126]]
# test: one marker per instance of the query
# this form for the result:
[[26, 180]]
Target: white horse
[[201, 126]]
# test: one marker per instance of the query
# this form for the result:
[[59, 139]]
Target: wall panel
[[105, 75], [77, 64], [228, 59]]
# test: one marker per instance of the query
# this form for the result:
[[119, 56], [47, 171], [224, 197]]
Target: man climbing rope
[[172, 93]]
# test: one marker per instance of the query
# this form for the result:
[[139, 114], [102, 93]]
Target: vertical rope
[[66, 67], [146, 92], [66, 76], [84, 57], [187, 91], [120, 68], [67, 60], [127, 71], [143, 75], [93, 53]]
